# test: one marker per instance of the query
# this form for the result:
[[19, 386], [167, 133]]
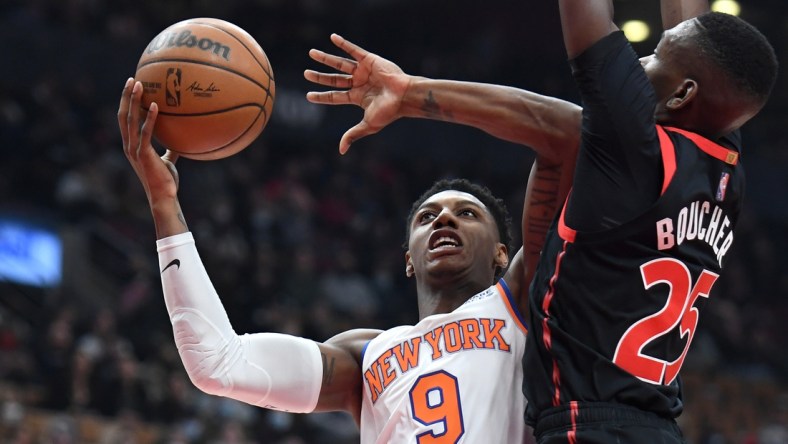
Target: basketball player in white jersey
[[456, 375], [439, 381]]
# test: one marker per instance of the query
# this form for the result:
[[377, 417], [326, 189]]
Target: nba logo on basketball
[[722, 187], [173, 89]]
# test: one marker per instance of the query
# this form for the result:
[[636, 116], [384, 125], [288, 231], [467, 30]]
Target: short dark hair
[[495, 206], [741, 51]]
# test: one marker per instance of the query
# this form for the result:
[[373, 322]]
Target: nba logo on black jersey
[[173, 89], [723, 186]]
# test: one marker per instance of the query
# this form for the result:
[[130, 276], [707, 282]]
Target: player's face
[[666, 67], [452, 234]]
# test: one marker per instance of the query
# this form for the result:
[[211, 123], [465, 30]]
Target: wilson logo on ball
[[186, 39], [211, 105]]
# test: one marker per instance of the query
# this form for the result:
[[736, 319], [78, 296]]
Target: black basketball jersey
[[613, 312]]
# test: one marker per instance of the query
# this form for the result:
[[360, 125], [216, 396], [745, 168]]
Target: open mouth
[[443, 241]]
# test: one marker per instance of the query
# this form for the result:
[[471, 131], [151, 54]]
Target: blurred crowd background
[[296, 238]]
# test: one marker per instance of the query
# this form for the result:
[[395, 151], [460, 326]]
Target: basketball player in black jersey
[[643, 237]]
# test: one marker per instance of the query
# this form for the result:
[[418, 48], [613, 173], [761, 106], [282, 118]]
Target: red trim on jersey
[[669, 164], [508, 304], [707, 146], [574, 411], [564, 231], [546, 336], [668, 157]]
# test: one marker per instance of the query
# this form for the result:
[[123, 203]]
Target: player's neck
[[445, 298]]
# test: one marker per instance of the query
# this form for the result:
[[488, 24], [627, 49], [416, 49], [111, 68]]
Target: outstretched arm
[[585, 22], [546, 124], [549, 126], [265, 369], [676, 11]]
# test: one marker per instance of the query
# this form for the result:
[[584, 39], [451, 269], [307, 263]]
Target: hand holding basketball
[[158, 174], [213, 84]]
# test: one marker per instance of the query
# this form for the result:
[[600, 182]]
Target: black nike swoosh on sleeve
[[176, 262]]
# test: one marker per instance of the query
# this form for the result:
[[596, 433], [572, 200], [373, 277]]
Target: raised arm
[[548, 185], [268, 370], [585, 22], [545, 124], [549, 126], [676, 11], [158, 174]]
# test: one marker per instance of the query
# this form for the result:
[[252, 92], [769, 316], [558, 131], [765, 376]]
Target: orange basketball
[[213, 84]]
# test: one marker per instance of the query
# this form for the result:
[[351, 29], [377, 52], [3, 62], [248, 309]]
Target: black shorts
[[603, 423]]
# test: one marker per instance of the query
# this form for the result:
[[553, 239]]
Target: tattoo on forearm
[[546, 197], [328, 369], [432, 109], [541, 224], [181, 218], [543, 204], [549, 172]]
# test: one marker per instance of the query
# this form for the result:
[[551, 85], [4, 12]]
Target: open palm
[[367, 80]]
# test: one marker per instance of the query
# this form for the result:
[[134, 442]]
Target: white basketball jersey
[[451, 378]]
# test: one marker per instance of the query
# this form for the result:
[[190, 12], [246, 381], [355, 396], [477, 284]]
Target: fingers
[[339, 63], [329, 97], [362, 129], [132, 123], [352, 49], [147, 127], [333, 80], [123, 110]]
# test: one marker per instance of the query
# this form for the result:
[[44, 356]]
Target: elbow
[[566, 143], [204, 370], [206, 383], [561, 129], [207, 370], [571, 131], [205, 353]]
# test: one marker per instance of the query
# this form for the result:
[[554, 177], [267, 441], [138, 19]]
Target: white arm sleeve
[[270, 370]]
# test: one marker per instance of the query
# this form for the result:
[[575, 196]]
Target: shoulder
[[602, 50]]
